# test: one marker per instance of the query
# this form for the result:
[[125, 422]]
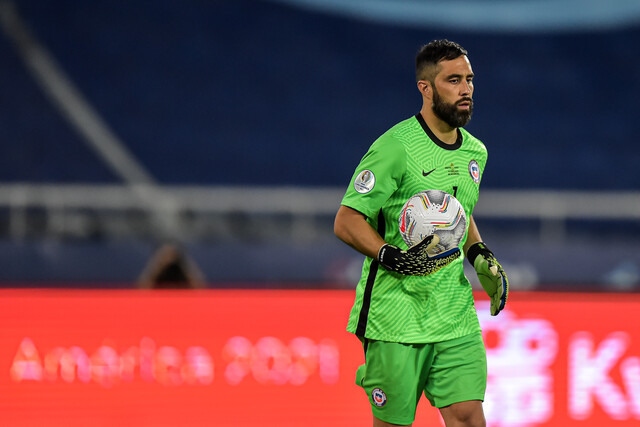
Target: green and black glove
[[416, 261], [492, 277]]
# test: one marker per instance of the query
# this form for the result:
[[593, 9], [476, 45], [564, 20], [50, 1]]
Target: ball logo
[[364, 181], [474, 171], [379, 397]]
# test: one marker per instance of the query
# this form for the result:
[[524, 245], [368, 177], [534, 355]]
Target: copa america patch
[[364, 181], [379, 397], [474, 171]]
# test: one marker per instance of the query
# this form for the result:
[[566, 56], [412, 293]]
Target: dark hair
[[435, 51]]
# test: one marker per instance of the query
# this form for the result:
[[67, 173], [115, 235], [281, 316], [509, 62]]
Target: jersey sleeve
[[481, 158], [377, 176]]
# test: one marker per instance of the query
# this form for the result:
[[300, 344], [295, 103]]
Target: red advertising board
[[283, 358]]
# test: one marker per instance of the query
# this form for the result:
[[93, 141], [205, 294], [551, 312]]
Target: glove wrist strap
[[476, 249], [387, 255]]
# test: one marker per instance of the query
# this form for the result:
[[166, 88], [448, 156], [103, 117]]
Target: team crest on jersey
[[364, 181], [379, 397], [474, 171]]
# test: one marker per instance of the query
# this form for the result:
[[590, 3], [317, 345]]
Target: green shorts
[[395, 375]]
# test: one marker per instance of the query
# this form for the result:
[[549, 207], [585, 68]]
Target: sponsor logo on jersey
[[474, 171], [379, 397], [452, 170], [365, 181], [427, 173]]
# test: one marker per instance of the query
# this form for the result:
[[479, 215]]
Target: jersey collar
[[437, 140]]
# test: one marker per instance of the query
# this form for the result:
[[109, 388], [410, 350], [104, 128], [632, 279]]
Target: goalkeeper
[[415, 313]]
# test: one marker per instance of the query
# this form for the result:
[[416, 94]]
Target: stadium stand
[[253, 94]]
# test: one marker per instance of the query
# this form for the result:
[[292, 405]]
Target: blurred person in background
[[414, 313], [171, 268]]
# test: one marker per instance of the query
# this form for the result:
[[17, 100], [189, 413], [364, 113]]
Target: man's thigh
[[393, 377], [458, 371], [469, 413]]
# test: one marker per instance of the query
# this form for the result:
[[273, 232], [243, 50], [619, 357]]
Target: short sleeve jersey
[[405, 160]]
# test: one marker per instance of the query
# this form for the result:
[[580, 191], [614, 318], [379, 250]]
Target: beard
[[449, 113]]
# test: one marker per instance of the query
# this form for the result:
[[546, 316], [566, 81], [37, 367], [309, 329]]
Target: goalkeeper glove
[[492, 277], [416, 261]]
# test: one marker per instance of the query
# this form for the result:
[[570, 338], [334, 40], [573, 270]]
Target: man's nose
[[466, 88]]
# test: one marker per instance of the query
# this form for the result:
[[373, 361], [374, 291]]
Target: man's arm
[[352, 227]]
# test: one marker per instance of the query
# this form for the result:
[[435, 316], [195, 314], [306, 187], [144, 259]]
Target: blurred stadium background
[[231, 129], [234, 127]]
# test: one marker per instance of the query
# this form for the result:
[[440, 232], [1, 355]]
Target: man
[[415, 313]]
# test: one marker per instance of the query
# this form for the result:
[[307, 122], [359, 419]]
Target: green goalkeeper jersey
[[405, 160]]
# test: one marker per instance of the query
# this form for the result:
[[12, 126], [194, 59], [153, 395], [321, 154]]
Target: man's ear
[[424, 86]]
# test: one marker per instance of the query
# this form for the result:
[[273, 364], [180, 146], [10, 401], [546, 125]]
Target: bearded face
[[450, 113]]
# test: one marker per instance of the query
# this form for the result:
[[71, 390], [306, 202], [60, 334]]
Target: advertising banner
[[284, 358]]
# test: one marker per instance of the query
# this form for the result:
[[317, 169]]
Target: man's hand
[[416, 261], [492, 277]]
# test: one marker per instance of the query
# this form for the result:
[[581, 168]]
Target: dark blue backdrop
[[249, 92]]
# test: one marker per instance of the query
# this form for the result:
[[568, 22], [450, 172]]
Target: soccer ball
[[433, 212]]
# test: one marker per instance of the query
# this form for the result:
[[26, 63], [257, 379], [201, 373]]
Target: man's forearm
[[352, 228]]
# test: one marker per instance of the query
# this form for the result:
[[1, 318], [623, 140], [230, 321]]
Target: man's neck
[[441, 129]]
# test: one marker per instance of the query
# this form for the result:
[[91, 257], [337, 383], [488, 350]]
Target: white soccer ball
[[433, 212]]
